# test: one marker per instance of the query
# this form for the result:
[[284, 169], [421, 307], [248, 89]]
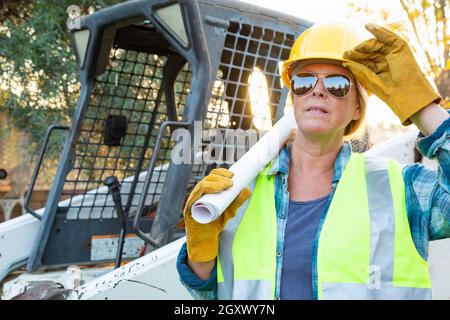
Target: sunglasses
[[337, 85]]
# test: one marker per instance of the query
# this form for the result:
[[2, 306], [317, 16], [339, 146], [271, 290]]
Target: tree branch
[[444, 32], [405, 6], [436, 10]]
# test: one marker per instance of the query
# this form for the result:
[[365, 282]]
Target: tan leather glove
[[386, 66], [202, 240]]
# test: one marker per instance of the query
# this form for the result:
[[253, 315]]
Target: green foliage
[[38, 73]]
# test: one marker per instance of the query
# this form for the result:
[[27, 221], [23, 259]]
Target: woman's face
[[331, 114]]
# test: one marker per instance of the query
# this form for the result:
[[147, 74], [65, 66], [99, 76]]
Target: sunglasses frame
[[324, 75]]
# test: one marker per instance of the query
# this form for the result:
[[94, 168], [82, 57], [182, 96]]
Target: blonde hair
[[356, 128]]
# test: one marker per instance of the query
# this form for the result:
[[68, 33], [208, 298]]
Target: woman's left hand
[[385, 65]]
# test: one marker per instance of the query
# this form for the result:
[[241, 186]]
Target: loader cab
[[148, 68]]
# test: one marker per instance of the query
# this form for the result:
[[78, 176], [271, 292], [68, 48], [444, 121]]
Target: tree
[[38, 72], [426, 25]]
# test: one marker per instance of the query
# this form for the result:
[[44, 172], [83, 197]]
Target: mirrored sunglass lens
[[302, 83], [337, 85]]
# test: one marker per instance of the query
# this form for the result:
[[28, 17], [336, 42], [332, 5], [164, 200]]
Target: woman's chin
[[315, 129]]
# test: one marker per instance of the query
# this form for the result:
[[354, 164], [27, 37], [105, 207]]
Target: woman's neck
[[315, 155]]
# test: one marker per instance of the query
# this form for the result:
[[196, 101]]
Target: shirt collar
[[281, 163]]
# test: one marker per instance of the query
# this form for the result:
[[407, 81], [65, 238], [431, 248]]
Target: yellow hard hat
[[325, 42]]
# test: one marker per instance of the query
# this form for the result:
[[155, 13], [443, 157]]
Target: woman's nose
[[319, 89]]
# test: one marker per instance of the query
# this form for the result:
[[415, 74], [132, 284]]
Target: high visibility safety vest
[[365, 248]]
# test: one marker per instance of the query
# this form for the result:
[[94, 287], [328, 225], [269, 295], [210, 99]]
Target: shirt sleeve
[[198, 288], [428, 191]]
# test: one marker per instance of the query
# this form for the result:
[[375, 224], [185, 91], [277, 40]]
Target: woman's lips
[[316, 110]]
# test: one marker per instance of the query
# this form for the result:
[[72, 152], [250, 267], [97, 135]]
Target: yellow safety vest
[[365, 248]]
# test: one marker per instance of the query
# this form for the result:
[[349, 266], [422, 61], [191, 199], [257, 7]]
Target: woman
[[323, 222]]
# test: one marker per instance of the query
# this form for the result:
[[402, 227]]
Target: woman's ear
[[357, 113]]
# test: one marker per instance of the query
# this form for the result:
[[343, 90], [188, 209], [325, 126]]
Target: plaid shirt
[[427, 205]]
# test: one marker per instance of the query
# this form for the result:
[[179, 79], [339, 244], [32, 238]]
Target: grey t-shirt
[[301, 227]]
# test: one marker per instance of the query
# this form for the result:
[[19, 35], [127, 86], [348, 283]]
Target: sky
[[378, 113], [319, 10]]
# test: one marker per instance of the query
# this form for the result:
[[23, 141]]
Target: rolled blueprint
[[210, 206]]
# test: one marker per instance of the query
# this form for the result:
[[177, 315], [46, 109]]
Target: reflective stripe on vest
[[365, 246]]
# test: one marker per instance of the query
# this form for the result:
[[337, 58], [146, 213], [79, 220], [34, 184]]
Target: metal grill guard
[[138, 73]]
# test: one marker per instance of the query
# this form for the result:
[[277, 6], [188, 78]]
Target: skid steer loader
[[147, 68]]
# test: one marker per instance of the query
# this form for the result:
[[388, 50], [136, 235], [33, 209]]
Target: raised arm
[[429, 118]]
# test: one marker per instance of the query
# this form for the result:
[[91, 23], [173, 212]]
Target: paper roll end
[[201, 214]]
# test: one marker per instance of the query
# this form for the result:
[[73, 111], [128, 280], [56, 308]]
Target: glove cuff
[[418, 105], [202, 250]]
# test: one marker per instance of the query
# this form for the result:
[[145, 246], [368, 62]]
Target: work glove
[[202, 240], [386, 66]]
